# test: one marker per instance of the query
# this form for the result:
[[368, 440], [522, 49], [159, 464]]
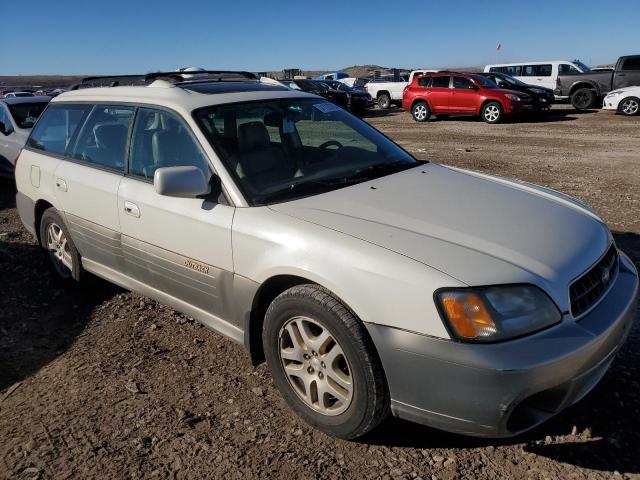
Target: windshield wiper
[[300, 189], [378, 170]]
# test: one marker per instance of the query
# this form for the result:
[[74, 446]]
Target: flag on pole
[[498, 46]]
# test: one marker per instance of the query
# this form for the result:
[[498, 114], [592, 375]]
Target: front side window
[[279, 150], [544, 70], [161, 139], [631, 64], [26, 114], [56, 128], [102, 140], [461, 83], [440, 82]]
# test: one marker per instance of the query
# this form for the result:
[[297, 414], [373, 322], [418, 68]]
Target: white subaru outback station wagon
[[372, 283]]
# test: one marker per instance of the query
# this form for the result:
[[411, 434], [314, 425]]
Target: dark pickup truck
[[586, 90]]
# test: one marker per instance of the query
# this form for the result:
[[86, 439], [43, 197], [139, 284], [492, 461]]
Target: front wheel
[[384, 101], [629, 106], [421, 112], [492, 112], [583, 99], [324, 362]]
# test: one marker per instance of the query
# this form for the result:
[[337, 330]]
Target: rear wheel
[[629, 106], [421, 112], [55, 238], [583, 99], [492, 112], [384, 101], [324, 363]]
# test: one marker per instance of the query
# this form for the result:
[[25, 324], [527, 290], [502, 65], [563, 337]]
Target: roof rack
[[177, 76]]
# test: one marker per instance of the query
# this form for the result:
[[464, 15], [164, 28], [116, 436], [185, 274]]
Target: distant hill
[[48, 81]]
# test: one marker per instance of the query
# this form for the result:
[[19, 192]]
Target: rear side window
[[631, 64], [423, 81], [56, 128], [103, 137], [440, 82], [513, 70], [161, 139], [566, 69], [537, 70]]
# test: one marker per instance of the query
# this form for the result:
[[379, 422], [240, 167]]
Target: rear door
[[540, 74], [464, 97], [178, 246], [629, 73], [87, 183], [439, 94]]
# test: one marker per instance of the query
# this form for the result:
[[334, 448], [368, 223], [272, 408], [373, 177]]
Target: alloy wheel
[[630, 106], [59, 250], [491, 113], [420, 112], [316, 366]]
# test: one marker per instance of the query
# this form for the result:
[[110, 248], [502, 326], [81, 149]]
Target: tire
[[384, 101], [64, 258], [355, 375], [629, 106], [583, 99], [421, 112], [492, 112]]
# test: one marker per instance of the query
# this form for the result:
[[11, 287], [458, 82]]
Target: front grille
[[589, 288]]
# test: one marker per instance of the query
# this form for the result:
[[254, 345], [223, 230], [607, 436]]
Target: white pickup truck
[[388, 93]]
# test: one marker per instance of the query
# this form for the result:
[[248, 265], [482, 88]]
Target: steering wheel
[[330, 143]]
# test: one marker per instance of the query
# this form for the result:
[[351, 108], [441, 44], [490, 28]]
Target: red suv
[[461, 94]]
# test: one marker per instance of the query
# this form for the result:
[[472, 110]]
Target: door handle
[[61, 184], [131, 209]]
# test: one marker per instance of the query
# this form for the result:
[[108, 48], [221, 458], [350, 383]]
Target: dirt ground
[[108, 384]]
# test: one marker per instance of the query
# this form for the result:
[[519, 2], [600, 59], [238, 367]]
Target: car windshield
[[511, 80], [279, 150], [26, 114], [309, 85], [484, 81]]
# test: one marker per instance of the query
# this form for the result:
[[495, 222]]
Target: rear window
[[56, 128], [631, 64], [566, 69], [26, 114]]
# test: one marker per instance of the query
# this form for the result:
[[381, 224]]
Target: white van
[[544, 74]]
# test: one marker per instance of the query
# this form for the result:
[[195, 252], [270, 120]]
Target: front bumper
[[503, 389], [610, 103]]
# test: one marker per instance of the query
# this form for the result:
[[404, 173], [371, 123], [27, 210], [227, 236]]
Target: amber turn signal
[[468, 315]]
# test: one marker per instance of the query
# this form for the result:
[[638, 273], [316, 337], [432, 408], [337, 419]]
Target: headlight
[[513, 98], [491, 314], [614, 94]]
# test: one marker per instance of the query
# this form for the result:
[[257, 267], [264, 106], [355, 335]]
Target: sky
[[117, 36]]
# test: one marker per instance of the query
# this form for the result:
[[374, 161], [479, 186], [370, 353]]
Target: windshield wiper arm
[[300, 188]]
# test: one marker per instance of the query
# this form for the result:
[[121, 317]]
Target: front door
[[464, 96], [178, 246]]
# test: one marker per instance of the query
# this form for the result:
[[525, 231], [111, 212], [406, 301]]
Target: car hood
[[476, 228], [513, 92]]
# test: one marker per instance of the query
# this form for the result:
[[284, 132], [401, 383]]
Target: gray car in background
[[17, 117]]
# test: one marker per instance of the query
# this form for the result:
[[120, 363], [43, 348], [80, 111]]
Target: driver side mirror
[[184, 182], [6, 129]]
